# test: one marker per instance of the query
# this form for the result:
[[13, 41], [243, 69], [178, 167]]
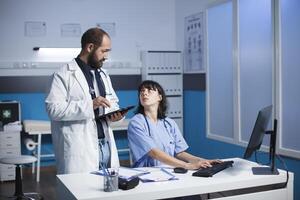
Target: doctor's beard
[[93, 62]]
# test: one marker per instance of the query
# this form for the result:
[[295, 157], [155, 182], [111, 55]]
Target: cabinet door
[[10, 140]]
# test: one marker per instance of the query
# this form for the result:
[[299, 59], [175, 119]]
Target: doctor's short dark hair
[[94, 36], [162, 107]]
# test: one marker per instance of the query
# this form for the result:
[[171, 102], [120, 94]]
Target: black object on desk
[[210, 171], [122, 110], [127, 184], [180, 170]]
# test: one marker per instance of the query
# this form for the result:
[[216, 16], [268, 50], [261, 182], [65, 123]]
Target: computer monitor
[[256, 139], [9, 112]]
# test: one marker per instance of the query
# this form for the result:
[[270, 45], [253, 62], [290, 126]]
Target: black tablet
[[122, 110]]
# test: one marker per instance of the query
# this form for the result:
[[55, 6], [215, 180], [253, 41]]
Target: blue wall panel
[[32, 104], [195, 130]]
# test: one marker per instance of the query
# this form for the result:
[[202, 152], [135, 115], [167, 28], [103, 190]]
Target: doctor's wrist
[[188, 166]]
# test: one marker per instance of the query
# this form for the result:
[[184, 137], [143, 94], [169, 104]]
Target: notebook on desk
[[158, 175]]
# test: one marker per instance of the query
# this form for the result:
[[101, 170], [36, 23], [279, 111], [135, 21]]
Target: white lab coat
[[74, 132]]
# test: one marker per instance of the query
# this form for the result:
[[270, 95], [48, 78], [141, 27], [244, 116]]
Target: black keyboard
[[210, 171]]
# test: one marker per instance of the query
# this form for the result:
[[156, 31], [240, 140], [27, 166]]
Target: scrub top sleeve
[[180, 143], [139, 140]]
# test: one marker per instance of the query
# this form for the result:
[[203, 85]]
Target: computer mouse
[[126, 184], [180, 170]]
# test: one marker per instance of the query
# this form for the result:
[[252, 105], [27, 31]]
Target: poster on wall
[[110, 28], [35, 29], [70, 30], [193, 44]]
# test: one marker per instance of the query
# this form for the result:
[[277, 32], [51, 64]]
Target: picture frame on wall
[[194, 44]]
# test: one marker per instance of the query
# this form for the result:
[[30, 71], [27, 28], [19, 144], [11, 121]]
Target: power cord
[[285, 168], [281, 161]]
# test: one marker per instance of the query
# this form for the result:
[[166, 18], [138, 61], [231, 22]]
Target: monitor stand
[[264, 171], [269, 170]]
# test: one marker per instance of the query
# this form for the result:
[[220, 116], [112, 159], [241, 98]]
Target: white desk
[[90, 187], [40, 127]]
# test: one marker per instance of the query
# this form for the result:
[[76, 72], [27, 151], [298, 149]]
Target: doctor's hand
[[117, 116], [100, 101], [202, 164]]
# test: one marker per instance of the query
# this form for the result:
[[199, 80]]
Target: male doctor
[[80, 91]]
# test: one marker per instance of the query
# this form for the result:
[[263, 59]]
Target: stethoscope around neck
[[107, 88], [165, 125], [105, 82], [143, 158]]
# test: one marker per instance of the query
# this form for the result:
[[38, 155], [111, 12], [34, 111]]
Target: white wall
[[140, 25]]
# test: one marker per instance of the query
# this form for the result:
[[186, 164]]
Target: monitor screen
[[9, 112], [259, 130]]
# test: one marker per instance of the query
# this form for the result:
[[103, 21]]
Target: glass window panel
[[290, 70], [256, 54], [220, 80]]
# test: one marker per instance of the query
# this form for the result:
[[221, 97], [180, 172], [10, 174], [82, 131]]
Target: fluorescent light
[[57, 54]]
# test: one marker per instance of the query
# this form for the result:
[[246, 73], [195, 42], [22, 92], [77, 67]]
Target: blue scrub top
[[164, 135]]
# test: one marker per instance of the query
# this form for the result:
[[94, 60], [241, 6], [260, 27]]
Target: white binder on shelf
[[165, 67]]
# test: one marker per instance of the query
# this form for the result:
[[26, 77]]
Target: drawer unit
[[9, 140], [4, 167], [7, 175], [10, 151], [175, 107], [10, 145]]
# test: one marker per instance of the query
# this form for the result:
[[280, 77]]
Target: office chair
[[18, 161]]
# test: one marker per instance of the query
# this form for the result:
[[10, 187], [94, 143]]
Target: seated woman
[[155, 139]]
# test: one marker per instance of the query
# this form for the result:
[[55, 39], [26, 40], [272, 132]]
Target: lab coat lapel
[[114, 158], [79, 76]]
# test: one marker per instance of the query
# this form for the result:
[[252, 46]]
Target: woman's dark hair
[[94, 36], [162, 107]]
